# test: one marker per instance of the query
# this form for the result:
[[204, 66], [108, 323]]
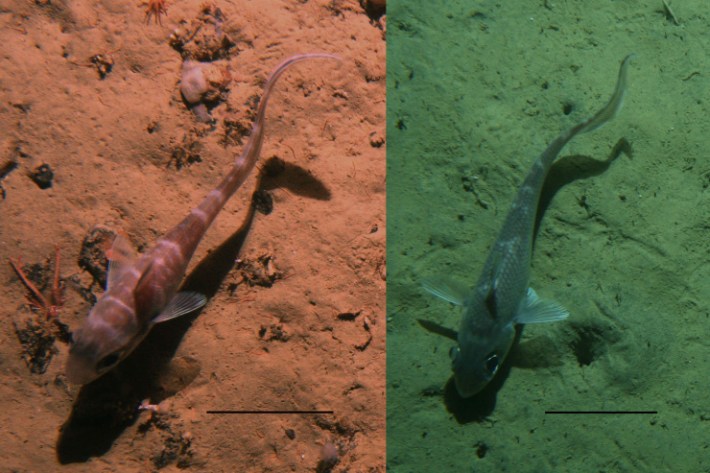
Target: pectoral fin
[[447, 289], [538, 311], [183, 303]]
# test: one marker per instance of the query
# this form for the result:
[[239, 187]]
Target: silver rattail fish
[[502, 298], [142, 289]]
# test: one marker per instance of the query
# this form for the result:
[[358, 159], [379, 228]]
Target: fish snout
[[79, 369]]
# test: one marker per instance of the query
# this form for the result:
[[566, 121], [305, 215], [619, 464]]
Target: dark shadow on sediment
[[281, 174], [573, 168]]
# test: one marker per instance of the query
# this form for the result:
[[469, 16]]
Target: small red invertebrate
[[49, 306], [155, 8]]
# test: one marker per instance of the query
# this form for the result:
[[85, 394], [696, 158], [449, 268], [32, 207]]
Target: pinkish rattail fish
[[142, 289]]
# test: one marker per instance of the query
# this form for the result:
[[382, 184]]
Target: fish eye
[[108, 361], [491, 364]]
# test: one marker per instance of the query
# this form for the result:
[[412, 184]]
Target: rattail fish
[[501, 298], [142, 289]]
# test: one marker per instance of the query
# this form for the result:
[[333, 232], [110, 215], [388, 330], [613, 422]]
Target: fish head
[[108, 335], [482, 348]]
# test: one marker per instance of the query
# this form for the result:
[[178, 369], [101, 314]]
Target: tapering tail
[[615, 102], [251, 150]]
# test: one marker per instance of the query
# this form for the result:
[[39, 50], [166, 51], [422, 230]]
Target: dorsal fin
[[490, 300], [493, 279], [147, 294], [121, 256]]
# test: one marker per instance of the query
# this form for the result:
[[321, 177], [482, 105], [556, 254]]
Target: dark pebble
[[43, 176]]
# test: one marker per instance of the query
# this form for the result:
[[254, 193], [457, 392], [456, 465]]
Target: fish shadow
[[107, 406], [573, 168], [438, 329], [279, 174]]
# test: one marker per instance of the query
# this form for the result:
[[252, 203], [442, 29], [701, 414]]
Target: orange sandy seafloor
[[315, 340]]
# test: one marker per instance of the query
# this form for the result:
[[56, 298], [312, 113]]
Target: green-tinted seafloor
[[476, 90]]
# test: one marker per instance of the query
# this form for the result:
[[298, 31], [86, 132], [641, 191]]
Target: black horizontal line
[[601, 412], [270, 412]]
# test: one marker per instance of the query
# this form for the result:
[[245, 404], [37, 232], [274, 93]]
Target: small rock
[[376, 139], [43, 176], [92, 257]]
